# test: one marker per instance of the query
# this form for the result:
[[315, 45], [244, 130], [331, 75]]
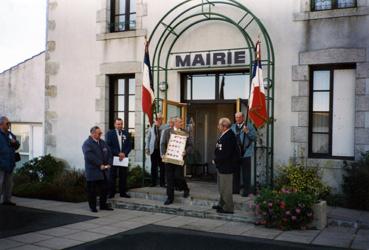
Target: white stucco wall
[[22, 91], [82, 54], [71, 68]]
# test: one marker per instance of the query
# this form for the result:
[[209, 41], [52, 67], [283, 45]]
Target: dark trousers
[[97, 186], [242, 171], [175, 176], [156, 163], [122, 180]]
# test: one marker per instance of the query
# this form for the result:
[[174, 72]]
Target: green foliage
[[42, 169], [284, 209], [302, 179], [134, 179], [48, 178], [356, 183]]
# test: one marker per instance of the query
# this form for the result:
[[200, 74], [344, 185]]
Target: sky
[[23, 30]]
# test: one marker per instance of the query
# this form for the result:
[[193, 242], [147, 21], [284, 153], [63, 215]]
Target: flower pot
[[320, 215]]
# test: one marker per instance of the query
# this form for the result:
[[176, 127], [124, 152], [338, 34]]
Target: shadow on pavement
[[15, 220]]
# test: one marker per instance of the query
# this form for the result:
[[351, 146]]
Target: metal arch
[[169, 29]]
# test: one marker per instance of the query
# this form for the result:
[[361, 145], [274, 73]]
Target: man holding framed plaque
[[175, 144]]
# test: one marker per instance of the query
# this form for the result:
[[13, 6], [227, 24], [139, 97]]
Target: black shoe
[[168, 202], [186, 193], [216, 207], [106, 208], [222, 211], [125, 196], [94, 210], [111, 196], [153, 185], [9, 203]]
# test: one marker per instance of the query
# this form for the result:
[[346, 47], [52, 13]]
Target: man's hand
[[147, 151], [184, 153], [102, 167], [121, 156], [245, 130], [107, 166]]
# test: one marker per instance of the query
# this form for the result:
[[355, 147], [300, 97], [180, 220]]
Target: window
[[332, 111], [30, 139], [123, 101], [317, 5], [123, 15], [215, 86]]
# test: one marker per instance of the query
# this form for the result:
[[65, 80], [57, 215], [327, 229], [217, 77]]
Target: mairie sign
[[216, 58]]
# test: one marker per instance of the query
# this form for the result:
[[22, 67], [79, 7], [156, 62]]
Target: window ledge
[[121, 35], [314, 15]]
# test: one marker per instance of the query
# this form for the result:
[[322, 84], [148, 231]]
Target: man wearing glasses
[[8, 145], [98, 158]]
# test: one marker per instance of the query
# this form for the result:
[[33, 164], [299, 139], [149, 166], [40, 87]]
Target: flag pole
[[143, 135]]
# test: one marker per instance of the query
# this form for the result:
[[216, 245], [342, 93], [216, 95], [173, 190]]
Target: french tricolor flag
[[147, 86], [257, 107]]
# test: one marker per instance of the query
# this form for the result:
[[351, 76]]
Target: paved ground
[[119, 221], [167, 238], [31, 220]]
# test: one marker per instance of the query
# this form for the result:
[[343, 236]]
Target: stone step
[[195, 199], [155, 206]]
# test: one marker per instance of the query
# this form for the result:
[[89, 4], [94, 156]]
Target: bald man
[[246, 136]]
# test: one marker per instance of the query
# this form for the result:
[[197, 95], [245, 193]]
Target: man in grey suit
[[174, 173], [152, 148], [98, 160]]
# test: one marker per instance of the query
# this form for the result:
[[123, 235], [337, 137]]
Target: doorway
[[204, 119]]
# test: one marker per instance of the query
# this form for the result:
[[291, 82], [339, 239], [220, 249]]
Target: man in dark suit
[[97, 163], [227, 154], [120, 144], [174, 173]]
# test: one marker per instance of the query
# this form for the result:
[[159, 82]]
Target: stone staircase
[[202, 197]]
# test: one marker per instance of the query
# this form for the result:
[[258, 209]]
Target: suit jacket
[[151, 138], [7, 152], [246, 141], [96, 155], [227, 153], [112, 141], [165, 136]]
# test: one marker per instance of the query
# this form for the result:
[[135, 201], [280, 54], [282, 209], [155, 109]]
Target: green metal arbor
[[181, 18]]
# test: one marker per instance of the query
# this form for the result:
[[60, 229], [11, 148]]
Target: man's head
[[95, 132], [239, 117], [118, 124], [4, 123], [171, 122], [159, 119], [224, 124], [178, 122]]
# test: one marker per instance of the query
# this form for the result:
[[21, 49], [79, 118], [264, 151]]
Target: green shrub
[[284, 209], [134, 179], [48, 178], [302, 179], [356, 183], [41, 169]]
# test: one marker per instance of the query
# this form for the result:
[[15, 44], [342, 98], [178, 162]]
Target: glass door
[[174, 109]]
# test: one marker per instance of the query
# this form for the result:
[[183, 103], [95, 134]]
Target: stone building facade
[[93, 73]]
